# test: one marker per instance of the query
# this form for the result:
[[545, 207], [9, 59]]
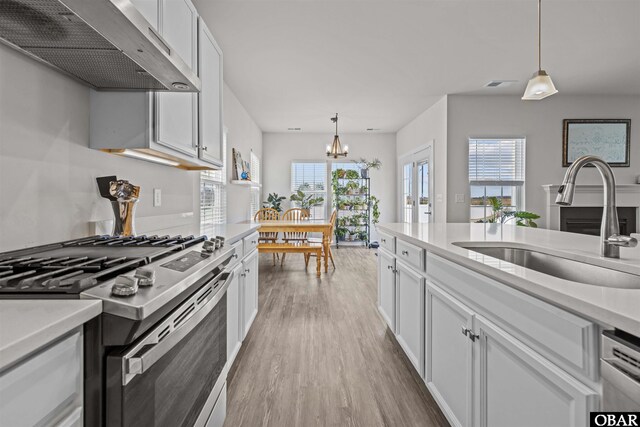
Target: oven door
[[173, 375]]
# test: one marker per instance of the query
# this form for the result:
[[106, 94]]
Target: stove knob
[[208, 246], [124, 286], [145, 276], [220, 239]]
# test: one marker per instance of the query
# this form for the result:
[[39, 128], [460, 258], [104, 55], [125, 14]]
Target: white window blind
[[311, 178], [213, 196], [496, 169], [255, 200], [255, 168], [496, 161]]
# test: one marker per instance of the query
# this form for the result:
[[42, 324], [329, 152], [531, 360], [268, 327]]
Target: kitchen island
[[496, 342]]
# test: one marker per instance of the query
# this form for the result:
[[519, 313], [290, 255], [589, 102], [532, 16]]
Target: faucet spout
[[610, 241]]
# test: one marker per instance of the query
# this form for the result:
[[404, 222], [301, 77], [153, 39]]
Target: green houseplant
[[375, 210], [365, 165], [274, 201], [306, 201], [351, 174], [501, 214]]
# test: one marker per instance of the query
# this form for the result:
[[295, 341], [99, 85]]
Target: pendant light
[[335, 149], [540, 86]]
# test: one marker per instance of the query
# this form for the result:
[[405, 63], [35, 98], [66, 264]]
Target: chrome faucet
[[610, 239]]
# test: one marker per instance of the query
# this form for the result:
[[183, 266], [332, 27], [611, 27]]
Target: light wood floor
[[319, 353]]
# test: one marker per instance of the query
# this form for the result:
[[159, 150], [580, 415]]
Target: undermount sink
[[562, 268]]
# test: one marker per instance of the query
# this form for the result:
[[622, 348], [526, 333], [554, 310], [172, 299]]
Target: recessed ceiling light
[[500, 83], [294, 128]]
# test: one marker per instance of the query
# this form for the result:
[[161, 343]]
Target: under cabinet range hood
[[106, 44]]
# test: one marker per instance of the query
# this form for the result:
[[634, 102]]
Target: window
[[496, 169], [311, 178], [255, 168], [213, 196]]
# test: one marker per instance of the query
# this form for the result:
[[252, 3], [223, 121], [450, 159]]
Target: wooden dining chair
[[268, 214], [294, 214], [332, 220]]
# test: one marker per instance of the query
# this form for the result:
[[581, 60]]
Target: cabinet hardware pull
[[243, 275], [253, 242], [465, 331], [405, 253], [247, 270], [384, 240], [389, 267], [204, 148], [235, 256], [469, 333]]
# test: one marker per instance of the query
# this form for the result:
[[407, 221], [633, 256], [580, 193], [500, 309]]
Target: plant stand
[[353, 210]]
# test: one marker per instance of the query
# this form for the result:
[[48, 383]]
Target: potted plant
[[352, 187], [365, 165], [501, 214], [351, 174], [375, 210], [306, 201], [274, 201], [341, 233], [340, 173]]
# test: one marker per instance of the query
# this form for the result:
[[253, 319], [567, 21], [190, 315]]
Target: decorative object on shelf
[[306, 201], [274, 201], [502, 214], [608, 139], [335, 149], [540, 85], [366, 165], [241, 168]]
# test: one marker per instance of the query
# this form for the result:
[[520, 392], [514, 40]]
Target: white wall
[[541, 123], [429, 127], [242, 134], [48, 190], [280, 149]]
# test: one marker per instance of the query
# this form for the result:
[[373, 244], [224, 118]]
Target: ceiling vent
[[373, 129], [294, 129], [500, 83]]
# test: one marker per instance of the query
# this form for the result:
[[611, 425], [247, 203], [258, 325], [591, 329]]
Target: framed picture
[[606, 138]]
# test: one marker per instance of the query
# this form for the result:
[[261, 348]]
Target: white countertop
[[232, 232], [27, 325], [610, 307]]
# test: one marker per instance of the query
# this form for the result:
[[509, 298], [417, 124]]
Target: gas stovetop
[[69, 268]]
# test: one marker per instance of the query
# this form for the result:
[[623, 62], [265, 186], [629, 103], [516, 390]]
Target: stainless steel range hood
[[106, 44]]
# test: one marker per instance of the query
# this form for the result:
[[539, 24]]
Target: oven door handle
[[145, 354]]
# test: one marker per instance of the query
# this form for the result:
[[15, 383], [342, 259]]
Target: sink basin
[[562, 268]]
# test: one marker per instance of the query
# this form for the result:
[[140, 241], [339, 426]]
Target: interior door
[[423, 198], [407, 192]]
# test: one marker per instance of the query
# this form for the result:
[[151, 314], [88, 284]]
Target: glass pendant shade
[[539, 87]]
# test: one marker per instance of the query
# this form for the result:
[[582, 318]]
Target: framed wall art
[[605, 138]]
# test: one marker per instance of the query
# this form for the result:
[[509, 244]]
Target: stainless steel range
[[157, 354]]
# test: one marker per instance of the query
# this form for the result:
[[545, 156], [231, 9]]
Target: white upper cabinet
[[210, 97], [177, 129], [176, 121]]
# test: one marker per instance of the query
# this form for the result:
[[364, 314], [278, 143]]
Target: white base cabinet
[[234, 334], [490, 355], [410, 314], [387, 288], [249, 291]]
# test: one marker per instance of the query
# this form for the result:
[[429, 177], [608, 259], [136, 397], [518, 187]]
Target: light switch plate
[[459, 198], [157, 197]]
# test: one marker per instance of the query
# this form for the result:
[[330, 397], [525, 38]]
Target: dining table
[[310, 225]]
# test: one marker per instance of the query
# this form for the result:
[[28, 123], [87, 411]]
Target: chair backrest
[[332, 220], [267, 214], [295, 214]]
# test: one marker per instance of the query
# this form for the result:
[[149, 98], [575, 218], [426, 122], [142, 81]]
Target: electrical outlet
[[157, 197], [459, 198]]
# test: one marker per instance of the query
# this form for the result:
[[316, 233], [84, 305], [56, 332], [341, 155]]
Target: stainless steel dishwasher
[[620, 370]]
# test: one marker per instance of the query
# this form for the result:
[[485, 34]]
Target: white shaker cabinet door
[[517, 386], [449, 361], [410, 314], [250, 291], [210, 97], [176, 113], [234, 337], [387, 288]]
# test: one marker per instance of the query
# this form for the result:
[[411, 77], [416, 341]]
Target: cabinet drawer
[[410, 254], [562, 337], [250, 242], [45, 387], [387, 242], [238, 247]]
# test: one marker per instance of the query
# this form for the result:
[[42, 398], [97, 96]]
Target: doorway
[[416, 182]]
